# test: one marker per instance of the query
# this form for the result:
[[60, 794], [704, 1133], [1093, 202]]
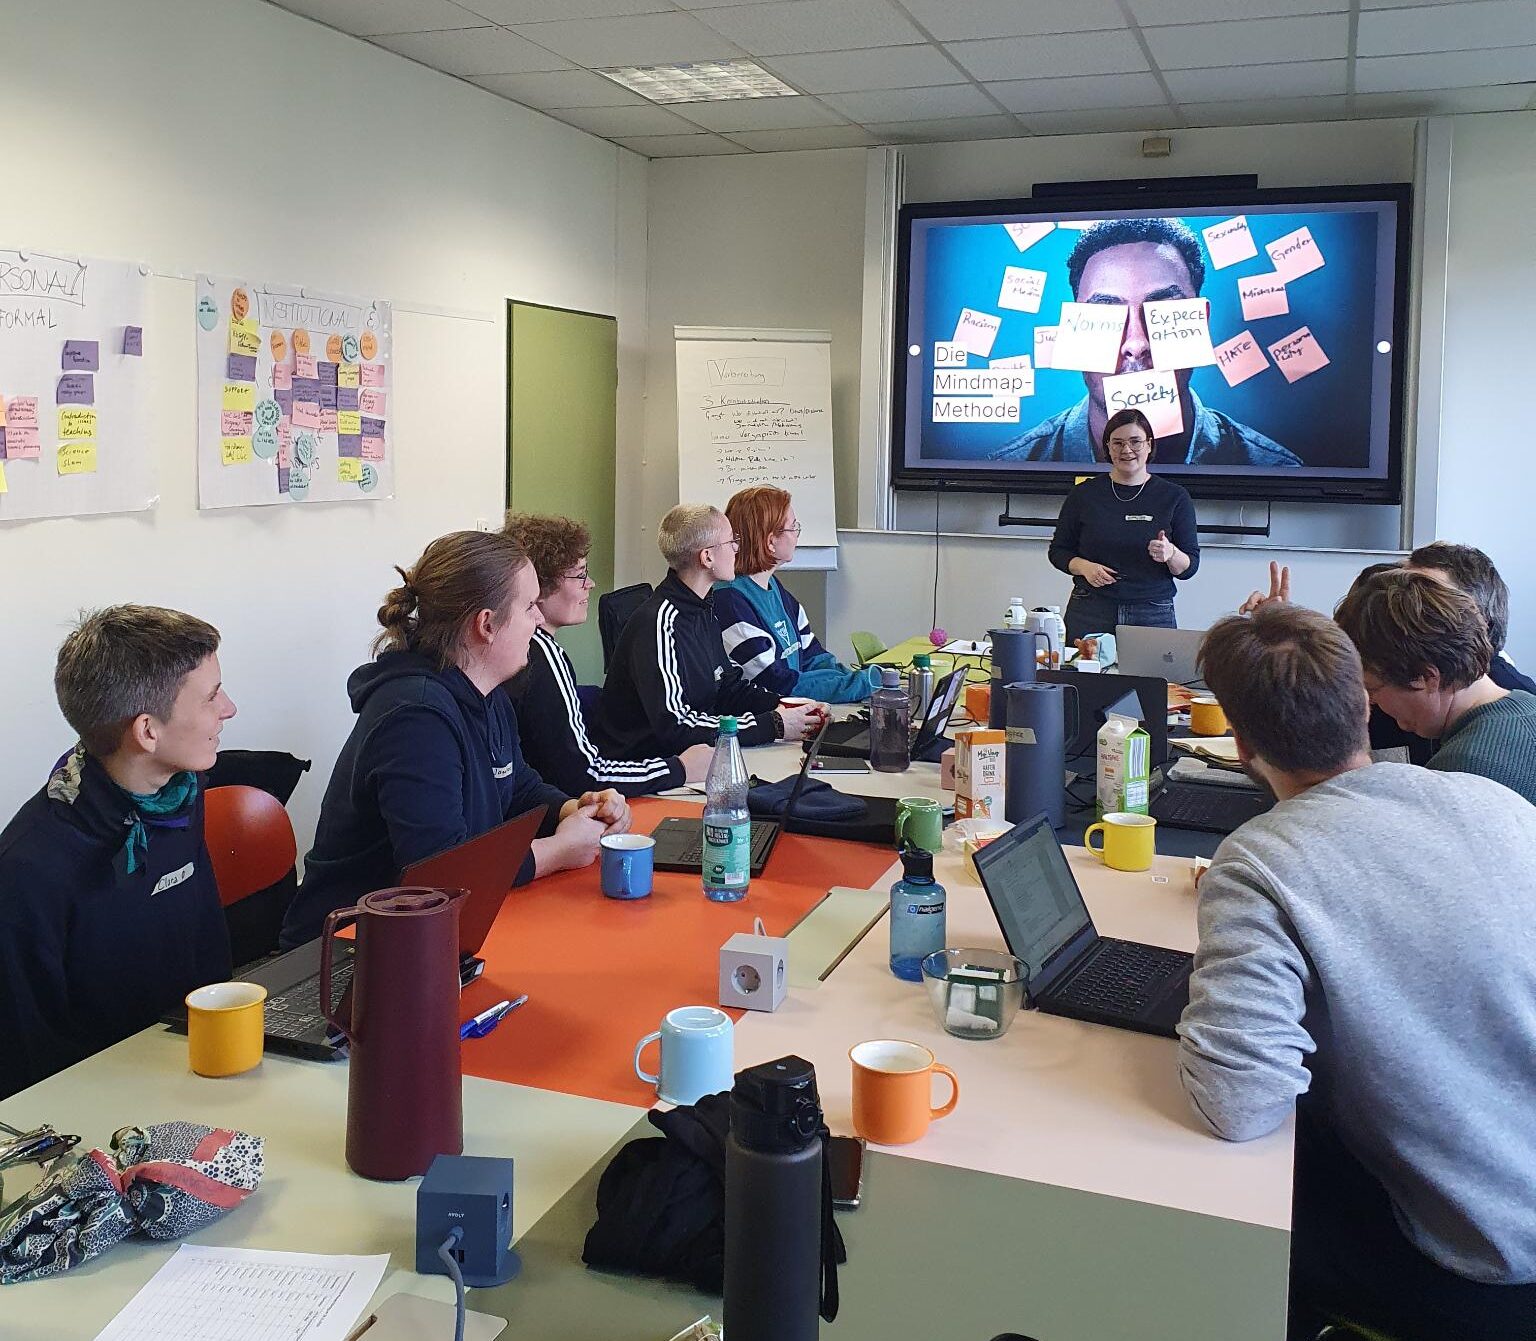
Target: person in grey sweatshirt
[[1367, 959]]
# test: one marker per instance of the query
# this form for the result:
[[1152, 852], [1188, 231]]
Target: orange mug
[[978, 702], [893, 1090], [1206, 717]]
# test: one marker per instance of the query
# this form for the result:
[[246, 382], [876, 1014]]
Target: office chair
[[866, 647], [251, 844], [614, 609]]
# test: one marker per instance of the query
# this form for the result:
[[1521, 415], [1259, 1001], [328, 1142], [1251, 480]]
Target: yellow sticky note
[[346, 374], [77, 457], [349, 469], [349, 421], [245, 336], [76, 421], [237, 451], [4, 487], [239, 395]]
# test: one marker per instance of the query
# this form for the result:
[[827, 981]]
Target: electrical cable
[[445, 1255]]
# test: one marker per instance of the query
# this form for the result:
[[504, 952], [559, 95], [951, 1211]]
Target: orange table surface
[[600, 973]]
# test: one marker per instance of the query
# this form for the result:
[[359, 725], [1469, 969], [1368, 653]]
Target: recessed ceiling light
[[700, 81]]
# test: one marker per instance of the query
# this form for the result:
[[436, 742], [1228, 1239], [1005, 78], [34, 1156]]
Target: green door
[[562, 385]]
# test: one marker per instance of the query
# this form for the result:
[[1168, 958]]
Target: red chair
[[251, 844]]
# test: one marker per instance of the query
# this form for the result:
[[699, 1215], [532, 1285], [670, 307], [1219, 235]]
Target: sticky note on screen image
[[1088, 337], [1179, 333], [1240, 358], [1045, 343], [1294, 255], [976, 331], [1022, 289], [1263, 296], [1298, 355], [1025, 235], [1155, 394], [1229, 242]]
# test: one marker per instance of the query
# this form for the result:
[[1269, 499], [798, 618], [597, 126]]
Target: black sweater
[[88, 953], [554, 731], [670, 681], [1097, 524]]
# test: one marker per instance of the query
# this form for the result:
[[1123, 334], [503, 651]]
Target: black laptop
[[849, 739], [680, 842], [1143, 697], [486, 866], [1071, 969]]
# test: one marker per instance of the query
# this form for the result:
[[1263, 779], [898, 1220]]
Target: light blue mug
[[628, 865], [698, 1054]]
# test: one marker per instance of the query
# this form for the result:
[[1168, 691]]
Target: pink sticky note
[[1263, 296], [373, 449], [235, 423], [1045, 343], [1155, 394], [21, 412], [1240, 358], [306, 414], [303, 365], [975, 331], [327, 421], [370, 374], [1229, 242], [1025, 235], [1295, 255], [1298, 355], [22, 442], [370, 400], [282, 377]]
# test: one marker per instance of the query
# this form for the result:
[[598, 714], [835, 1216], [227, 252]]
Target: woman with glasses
[[1124, 536], [555, 739], [766, 632]]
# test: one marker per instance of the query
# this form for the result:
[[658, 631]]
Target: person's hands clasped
[[802, 721], [574, 843], [1094, 574], [1161, 548], [1279, 589], [608, 808], [695, 760]]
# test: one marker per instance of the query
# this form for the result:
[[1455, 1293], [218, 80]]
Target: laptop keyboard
[[762, 835], [1122, 977], [295, 1012], [1210, 809]]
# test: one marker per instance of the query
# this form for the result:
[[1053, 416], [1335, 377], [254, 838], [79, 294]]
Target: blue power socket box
[[474, 1195]]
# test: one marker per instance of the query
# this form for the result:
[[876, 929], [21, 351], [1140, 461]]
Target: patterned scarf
[[172, 801]]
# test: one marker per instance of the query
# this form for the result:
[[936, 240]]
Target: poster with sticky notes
[[74, 434], [292, 428]]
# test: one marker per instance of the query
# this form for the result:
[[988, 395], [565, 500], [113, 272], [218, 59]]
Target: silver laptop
[[1169, 654]]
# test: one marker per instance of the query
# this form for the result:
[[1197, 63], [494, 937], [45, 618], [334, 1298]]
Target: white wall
[[229, 136]]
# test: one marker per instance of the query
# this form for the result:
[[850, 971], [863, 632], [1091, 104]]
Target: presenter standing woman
[[1124, 537]]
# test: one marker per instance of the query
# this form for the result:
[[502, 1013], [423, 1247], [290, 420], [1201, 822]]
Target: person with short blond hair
[[1367, 961], [109, 909], [765, 629]]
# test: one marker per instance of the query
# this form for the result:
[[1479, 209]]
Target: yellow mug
[[1206, 717], [1128, 840], [226, 1024]]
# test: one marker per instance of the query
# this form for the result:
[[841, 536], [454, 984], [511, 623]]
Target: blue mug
[[698, 1054], [628, 864]]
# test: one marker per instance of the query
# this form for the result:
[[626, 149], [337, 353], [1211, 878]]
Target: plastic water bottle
[[890, 749], [917, 914], [727, 825], [1017, 615]]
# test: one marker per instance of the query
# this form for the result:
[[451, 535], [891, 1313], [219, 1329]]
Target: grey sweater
[[1374, 939], [1497, 740]]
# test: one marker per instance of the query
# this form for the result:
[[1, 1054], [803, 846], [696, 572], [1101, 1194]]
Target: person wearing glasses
[[766, 632], [1124, 537], [670, 681], [552, 725]]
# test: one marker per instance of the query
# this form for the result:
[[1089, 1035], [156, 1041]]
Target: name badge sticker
[[173, 878]]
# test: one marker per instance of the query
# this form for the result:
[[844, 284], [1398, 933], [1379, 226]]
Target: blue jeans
[[1088, 612]]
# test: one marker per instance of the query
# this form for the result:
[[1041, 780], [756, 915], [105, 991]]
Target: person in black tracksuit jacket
[[109, 909], [670, 680]]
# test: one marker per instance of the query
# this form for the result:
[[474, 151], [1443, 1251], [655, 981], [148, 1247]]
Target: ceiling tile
[[946, 132], [679, 146], [878, 67], [950, 21], [1152, 13], [1446, 101], [759, 114], [1450, 69], [610, 122], [778, 29], [1042, 57], [560, 88], [1489, 23], [644, 39], [1092, 120], [511, 12], [912, 104], [818, 137], [1266, 111], [1065, 95], [1250, 42], [371, 18], [473, 51], [1286, 80]]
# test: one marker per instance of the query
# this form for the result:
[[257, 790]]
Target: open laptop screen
[[1031, 889]]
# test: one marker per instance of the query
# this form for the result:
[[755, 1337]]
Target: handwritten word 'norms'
[[51, 277], [762, 371]]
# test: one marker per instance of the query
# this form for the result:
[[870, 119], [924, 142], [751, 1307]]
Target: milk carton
[[980, 773], [1125, 766]]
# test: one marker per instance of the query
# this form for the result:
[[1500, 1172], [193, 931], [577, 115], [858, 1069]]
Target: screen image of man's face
[[1131, 274]]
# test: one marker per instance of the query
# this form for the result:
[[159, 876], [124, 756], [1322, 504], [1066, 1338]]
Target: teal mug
[[920, 820]]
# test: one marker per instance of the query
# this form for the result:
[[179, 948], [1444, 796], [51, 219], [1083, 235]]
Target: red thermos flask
[[405, 1102]]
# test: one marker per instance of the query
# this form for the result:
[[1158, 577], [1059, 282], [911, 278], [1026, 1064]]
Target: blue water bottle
[[917, 914], [727, 865]]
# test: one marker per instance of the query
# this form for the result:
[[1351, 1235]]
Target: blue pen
[[486, 1020]]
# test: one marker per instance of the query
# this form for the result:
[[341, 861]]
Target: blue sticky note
[[81, 356], [242, 368], [133, 341], [346, 398], [76, 389], [284, 399], [349, 444], [326, 372], [373, 428], [327, 397], [2, 444], [282, 479]]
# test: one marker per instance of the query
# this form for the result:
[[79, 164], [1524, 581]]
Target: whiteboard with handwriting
[[755, 407]]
